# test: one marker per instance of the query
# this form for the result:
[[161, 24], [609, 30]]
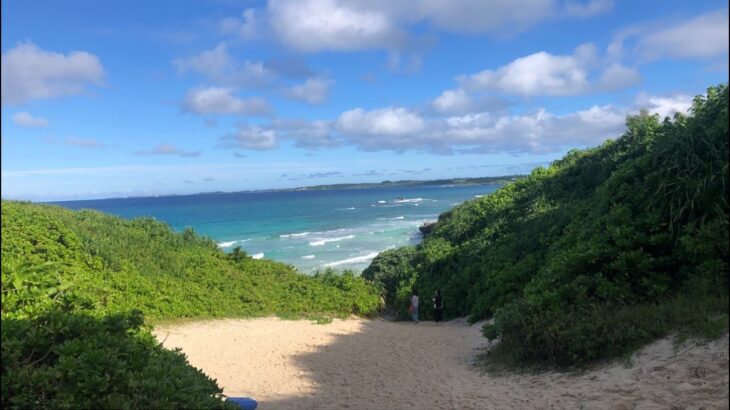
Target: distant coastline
[[364, 185]]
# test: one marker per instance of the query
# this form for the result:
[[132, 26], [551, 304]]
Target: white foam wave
[[407, 200], [381, 202], [294, 235], [478, 196], [357, 259], [259, 255], [392, 219], [324, 241], [308, 257], [345, 209], [231, 243]]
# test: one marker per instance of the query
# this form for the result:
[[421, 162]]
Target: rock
[[427, 228]]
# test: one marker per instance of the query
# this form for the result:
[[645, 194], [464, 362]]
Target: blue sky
[[110, 99]]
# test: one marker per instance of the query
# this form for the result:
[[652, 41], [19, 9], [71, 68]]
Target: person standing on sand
[[414, 306], [438, 307]]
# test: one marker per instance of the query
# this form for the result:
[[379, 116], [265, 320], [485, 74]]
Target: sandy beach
[[375, 364]]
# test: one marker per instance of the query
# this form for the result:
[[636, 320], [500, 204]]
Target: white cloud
[[665, 106], [401, 129], [313, 90], [168, 149], [704, 36], [453, 102], [254, 137], [383, 122], [478, 16], [24, 119], [306, 134], [218, 66], [315, 25], [592, 8], [338, 25], [543, 73], [539, 131], [617, 76], [30, 73], [459, 101], [536, 74], [220, 100], [247, 27]]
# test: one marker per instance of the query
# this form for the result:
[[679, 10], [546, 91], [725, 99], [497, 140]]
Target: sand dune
[[375, 364]]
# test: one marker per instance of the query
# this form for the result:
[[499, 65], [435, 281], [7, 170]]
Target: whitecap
[[381, 202], [294, 235], [357, 259], [231, 243], [345, 209], [308, 257], [257, 255], [324, 241], [406, 200]]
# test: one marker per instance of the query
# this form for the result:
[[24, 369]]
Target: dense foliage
[[75, 287], [603, 251]]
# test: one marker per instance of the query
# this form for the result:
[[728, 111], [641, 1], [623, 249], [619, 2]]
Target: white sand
[[374, 364]]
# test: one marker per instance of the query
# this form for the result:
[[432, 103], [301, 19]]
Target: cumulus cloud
[[83, 142], [252, 137], [665, 106], [540, 73], [316, 25], [701, 37], [24, 119], [218, 66], [247, 27], [338, 25], [589, 9], [617, 77], [543, 73], [168, 149], [220, 100], [705, 36], [477, 16], [453, 101], [30, 73], [459, 101], [306, 134], [391, 121], [312, 91]]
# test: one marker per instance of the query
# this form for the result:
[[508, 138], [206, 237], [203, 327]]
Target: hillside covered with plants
[[77, 286], [605, 250]]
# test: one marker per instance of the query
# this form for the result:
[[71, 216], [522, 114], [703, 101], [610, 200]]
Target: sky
[[137, 98]]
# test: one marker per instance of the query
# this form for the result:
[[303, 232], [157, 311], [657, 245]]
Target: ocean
[[310, 229]]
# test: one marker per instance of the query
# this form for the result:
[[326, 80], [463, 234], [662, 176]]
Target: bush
[[70, 360], [75, 286], [586, 259]]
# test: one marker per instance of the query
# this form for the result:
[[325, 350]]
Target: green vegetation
[[76, 286], [589, 259]]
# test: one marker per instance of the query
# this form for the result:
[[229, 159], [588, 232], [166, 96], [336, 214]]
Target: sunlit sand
[[375, 364]]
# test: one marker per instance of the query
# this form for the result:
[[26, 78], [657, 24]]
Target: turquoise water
[[308, 229]]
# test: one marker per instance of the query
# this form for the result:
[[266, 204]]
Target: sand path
[[375, 364]]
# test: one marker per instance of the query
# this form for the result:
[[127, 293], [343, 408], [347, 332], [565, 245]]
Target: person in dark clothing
[[438, 307]]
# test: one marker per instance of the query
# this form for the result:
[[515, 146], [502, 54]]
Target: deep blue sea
[[308, 229]]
